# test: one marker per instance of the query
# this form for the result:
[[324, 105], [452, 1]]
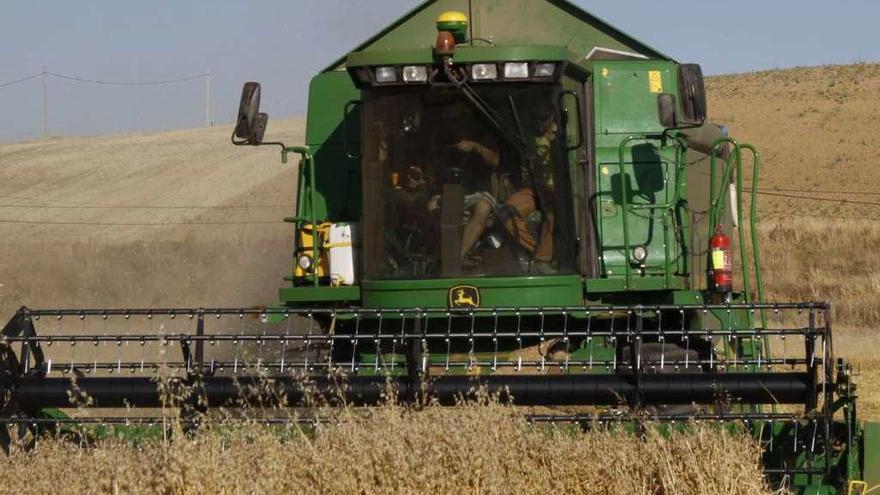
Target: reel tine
[[237, 343], [590, 339], [519, 341], [813, 437], [70, 369], [686, 338], [127, 325], [284, 340], [355, 340], [542, 339], [424, 341], [332, 342], [472, 361], [782, 336], [394, 340], [735, 341], [633, 339], [264, 318], [613, 339], [567, 340], [708, 333], [812, 337], [378, 343], [448, 340], [495, 340], [661, 338], [307, 342]]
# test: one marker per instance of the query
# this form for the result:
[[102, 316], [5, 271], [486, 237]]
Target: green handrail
[[717, 204], [681, 160], [305, 154], [735, 161], [753, 222]]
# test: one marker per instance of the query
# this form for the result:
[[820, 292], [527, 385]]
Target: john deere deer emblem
[[464, 296]]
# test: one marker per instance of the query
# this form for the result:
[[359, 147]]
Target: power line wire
[[814, 198], [23, 79], [789, 216], [816, 191], [128, 83], [108, 83]]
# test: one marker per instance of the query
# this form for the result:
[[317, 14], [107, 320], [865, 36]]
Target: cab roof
[[513, 23]]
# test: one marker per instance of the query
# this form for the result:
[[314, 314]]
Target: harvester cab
[[510, 196]]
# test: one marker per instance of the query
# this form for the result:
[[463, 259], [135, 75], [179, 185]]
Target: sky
[[283, 43]]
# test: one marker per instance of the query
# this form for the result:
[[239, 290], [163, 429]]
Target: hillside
[[820, 181], [176, 218], [815, 127]]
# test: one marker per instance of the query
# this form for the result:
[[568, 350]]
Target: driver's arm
[[490, 156]]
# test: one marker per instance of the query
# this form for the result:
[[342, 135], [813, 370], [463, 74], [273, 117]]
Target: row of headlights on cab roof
[[479, 72]]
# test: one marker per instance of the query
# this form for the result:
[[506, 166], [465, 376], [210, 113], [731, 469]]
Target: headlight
[[640, 254], [415, 73], [516, 70], [545, 70], [304, 262], [386, 74], [484, 72]]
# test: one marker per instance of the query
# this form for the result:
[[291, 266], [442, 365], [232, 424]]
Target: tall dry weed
[[473, 449], [813, 260]]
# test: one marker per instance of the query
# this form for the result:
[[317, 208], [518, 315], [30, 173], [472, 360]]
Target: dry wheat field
[[62, 200], [477, 448]]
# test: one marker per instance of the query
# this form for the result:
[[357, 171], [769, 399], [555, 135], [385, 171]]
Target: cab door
[[577, 109]]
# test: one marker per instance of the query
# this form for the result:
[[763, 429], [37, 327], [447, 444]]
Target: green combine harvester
[[511, 196]]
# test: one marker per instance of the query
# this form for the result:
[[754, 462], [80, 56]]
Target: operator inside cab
[[454, 196]]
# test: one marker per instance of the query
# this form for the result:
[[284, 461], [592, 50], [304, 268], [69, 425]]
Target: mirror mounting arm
[[304, 151]]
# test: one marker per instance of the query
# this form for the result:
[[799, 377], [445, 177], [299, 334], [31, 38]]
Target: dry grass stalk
[[472, 449]]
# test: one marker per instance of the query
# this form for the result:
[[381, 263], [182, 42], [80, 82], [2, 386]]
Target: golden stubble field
[[813, 125]]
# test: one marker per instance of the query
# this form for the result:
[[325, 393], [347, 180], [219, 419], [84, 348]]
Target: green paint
[[506, 23], [293, 295], [549, 291], [463, 54], [871, 442]]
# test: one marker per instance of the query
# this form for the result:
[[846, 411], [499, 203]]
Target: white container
[[342, 253]]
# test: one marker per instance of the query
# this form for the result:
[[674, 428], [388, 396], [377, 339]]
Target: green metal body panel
[[292, 296], [463, 54], [508, 23], [611, 285], [871, 454], [625, 102], [499, 292], [334, 138], [627, 125]]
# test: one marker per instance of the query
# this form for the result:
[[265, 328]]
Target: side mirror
[[260, 129], [251, 125], [693, 93], [666, 110]]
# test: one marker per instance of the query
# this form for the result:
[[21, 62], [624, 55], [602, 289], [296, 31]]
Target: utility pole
[[45, 103], [208, 121]]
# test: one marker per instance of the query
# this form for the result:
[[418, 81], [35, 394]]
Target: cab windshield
[[450, 193]]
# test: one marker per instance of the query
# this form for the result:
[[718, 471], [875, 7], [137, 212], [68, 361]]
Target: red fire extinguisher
[[721, 267]]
